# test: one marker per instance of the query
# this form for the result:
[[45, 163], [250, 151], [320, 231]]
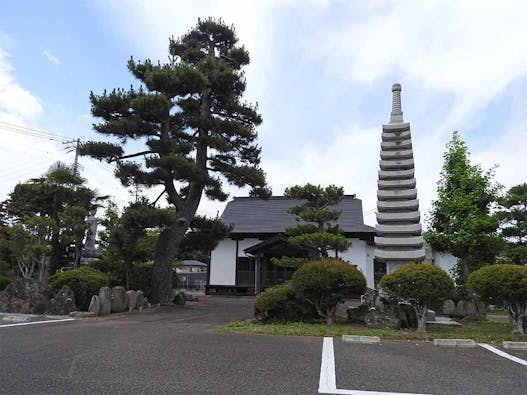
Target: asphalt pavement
[[180, 350]]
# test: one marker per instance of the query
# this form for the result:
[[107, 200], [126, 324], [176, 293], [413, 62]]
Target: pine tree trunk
[[78, 249], [166, 249]]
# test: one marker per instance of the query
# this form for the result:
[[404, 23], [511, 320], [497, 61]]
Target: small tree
[[503, 285], [73, 223], [325, 283], [317, 230], [512, 214], [418, 284], [460, 221]]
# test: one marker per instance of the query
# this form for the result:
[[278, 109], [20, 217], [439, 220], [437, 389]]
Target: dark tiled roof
[[192, 262], [252, 215]]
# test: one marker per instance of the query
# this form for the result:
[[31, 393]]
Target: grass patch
[[486, 332]]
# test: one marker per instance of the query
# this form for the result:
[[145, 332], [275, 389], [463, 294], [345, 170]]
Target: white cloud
[[51, 57]]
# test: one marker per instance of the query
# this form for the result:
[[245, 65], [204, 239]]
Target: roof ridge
[[282, 197]]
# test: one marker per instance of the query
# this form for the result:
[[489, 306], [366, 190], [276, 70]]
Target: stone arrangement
[[63, 303], [399, 238]]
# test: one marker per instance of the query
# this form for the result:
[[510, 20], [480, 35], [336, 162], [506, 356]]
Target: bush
[[324, 284], [4, 282], [503, 285], [141, 278], [419, 284], [280, 304], [84, 282]]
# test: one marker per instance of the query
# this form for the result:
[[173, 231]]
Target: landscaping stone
[[82, 314], [379, 320], [95, 305], [410, 316], [105, 300], [132, 300], [466, 343], [469, 307], [25, 296], [449, 307], [360, 339], [63, 303], [356, 314], [146, 303], [140, 301], [430, 315], [118, 296], [179, 299]]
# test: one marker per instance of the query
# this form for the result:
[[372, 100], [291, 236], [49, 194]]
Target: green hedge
[[4, 282], [85, 282], [280, 304], [141, 278]]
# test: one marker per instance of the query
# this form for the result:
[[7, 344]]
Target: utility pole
[[75, 147]]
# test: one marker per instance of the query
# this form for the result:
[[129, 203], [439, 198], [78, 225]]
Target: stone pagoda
[[399, 238]]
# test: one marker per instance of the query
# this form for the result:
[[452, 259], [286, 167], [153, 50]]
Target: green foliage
[[419, 284], [141, 278], [316, 231], [460, 220], [4, 282], [512, 214], [280, 304], [324, 283], [202, 237], [198, 131], [503, 285], [85, 282]]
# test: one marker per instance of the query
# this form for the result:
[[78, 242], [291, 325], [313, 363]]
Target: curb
[[361, 339], [466, 343], [515, 345]]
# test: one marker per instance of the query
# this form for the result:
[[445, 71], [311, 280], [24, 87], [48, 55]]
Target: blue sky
[[321, 72]]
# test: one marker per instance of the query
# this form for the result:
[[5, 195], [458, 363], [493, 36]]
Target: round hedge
[[421, 283], [84, 282], [500, 284], [280, 304]]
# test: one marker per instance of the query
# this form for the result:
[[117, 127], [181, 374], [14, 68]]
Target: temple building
[[398, 228]]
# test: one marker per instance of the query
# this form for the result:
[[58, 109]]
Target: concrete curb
[[361, 339], [515, 345], [466, 343]]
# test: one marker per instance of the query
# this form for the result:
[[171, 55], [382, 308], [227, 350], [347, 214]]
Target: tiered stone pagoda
[[398, 228]]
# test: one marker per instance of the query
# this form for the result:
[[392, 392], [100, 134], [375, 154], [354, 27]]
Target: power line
[[31, 132]]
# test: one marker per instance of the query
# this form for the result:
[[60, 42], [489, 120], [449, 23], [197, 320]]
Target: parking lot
[[180, 350]]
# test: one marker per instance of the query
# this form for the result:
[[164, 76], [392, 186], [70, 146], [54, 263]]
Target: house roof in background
[[192, 262], [254, 215]]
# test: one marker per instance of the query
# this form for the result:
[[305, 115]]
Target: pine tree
[[197, 131], [460, 220]]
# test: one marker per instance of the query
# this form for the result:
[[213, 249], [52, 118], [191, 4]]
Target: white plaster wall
[[360, 254], [223, 263], [445, 261], [246, 243]]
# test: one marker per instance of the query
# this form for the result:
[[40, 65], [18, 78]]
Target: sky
[[321, 73]]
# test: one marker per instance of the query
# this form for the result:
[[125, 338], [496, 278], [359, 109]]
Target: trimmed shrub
[[324, 283], [503, 285], [85, 282], [420, 285], [280, 304]]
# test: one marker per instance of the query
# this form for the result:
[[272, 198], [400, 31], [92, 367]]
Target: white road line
[[328, 381], [503, 354], [37, 322]]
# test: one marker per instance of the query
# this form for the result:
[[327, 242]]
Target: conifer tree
[[197, 131]]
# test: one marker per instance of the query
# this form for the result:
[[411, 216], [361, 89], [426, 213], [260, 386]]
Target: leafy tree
[[503, 285], [324, 284], [73, 223], [198, 133], [460, 220], [48, 196], [419, 284], [202, 237], [512, 214], [30, 244], [317, 231]]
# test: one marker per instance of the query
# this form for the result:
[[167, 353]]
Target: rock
[[25, 296], [430, 315], [140, 301], [105, 300], [469, 307], [190, 298], [410, 314], [356, 314], [179, 299], [369, 297], [378, 320], [146, 303], [118, 299], [63, 303], [132, 300], [95, 305], [379, 303], [449, 307]]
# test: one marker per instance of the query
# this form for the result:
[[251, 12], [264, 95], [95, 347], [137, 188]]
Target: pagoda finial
[[397, 114]]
